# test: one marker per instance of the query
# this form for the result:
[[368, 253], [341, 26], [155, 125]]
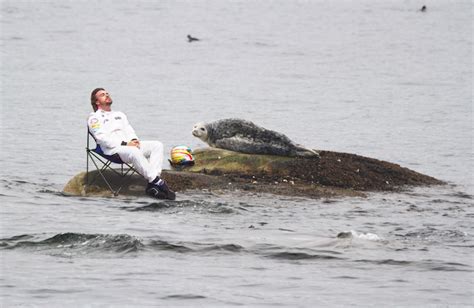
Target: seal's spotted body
[[246, 137]]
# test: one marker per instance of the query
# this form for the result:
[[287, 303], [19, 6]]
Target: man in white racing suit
[[115, 135]]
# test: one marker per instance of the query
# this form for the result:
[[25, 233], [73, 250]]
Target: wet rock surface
[[333, 174]]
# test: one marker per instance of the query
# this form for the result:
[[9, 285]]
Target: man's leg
[[150, 169], [135, 157], [153, 150]]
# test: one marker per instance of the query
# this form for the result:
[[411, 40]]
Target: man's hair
[[93, 99]]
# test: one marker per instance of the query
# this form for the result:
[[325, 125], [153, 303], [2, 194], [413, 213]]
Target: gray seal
[[244, 136]]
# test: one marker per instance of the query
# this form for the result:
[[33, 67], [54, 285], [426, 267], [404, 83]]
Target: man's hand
[[134, 143]]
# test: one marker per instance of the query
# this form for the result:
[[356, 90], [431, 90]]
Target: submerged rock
[[333, 174]]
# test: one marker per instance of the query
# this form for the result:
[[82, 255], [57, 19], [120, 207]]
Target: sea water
[[376, 78]]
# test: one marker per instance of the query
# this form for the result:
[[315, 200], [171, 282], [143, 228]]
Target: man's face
[[103, 100]]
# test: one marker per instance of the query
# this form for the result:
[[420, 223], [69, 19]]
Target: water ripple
[[286, 255], [425, 265], [69, 244], [184, 296], [166, 205]]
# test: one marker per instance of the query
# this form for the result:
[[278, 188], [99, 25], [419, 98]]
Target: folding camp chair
[[103, 163]]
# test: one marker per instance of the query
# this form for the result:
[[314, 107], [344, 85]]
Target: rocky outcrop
[[334, 174]]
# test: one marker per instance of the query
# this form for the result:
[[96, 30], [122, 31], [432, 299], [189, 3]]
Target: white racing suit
[[112, 132]]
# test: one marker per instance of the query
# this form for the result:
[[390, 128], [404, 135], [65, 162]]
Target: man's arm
[[101, 135]]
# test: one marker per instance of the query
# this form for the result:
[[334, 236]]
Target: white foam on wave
[[363, 236]]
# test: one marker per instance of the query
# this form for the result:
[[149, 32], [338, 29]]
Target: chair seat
[[115, 158]]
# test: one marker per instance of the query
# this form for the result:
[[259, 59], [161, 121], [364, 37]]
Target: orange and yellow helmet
[[182, 155]]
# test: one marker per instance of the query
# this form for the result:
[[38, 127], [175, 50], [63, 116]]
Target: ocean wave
[[76, 244], [165, 245], [423, 265], [387, 262], [13, 184], [52, 192], [363, 236], [198, 205], [70, 244], [184, 296], [290, 255], [152, 207], [104, 245], [295, 253], [463, 195], [435, 235], [224, 247], [194, 247]]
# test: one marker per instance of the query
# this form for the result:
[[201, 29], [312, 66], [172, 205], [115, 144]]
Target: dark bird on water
[[423, 8], [191, 39]]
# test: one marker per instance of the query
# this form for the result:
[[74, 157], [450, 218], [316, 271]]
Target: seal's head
[[200, 131]]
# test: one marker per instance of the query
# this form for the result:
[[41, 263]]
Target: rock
[[334, 174]]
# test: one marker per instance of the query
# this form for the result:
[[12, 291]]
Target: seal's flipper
[[304, 152]]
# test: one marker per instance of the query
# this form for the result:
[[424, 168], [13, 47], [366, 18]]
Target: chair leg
[[126, 175], [106, 164], [87, 169], [100, 170]]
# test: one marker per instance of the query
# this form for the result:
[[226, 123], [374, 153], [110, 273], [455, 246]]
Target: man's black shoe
[[160, 191], [163, 187], [153, 191]]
